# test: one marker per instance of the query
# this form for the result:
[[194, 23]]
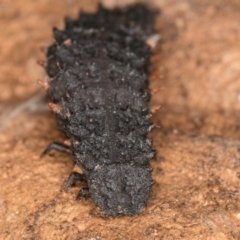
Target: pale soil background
[[196, 194]]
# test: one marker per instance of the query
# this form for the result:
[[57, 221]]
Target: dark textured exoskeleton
[[99, 93]]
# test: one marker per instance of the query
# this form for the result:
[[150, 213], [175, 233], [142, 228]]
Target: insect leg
[[84, 192], [73, 177], [56, 146]]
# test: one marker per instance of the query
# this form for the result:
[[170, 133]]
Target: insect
[[99, 94]]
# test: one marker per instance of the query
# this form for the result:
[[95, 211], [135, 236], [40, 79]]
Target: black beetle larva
[[99, 93]]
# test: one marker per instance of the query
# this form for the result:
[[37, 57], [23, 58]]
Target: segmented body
[[98, 71]]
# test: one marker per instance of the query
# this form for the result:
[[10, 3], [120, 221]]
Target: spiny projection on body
[[99, 94]]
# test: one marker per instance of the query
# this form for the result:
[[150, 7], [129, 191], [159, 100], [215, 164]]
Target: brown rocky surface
[[196, 194]]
